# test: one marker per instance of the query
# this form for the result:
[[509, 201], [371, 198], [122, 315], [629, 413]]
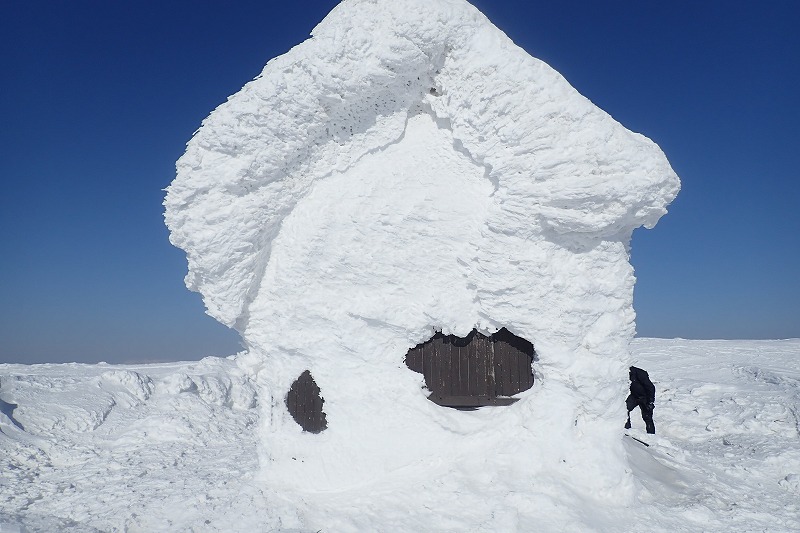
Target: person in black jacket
[[643, 394]]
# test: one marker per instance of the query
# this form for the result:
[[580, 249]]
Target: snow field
[[726, 456], [116, 448], [727, 415]]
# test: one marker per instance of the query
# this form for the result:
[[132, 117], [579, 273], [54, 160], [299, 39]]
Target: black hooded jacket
[[641, 386]]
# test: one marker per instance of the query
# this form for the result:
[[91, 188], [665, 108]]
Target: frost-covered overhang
[[560, 168]]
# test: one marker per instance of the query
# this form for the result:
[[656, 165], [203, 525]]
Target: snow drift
[[407, 170]]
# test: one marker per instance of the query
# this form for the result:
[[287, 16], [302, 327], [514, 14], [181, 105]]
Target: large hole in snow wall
[[305, 404], [470, 372]]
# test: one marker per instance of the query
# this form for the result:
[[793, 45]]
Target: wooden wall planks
[[305, 404], [475, 370]]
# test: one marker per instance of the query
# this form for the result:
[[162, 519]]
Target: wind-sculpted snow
[[557, 164], [408, 170]]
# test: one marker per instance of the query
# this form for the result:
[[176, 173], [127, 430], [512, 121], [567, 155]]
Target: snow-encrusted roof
[[559, 167]]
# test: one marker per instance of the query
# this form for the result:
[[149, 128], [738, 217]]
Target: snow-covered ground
[[175, 447]]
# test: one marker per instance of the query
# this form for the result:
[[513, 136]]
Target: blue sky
[[99, 99]]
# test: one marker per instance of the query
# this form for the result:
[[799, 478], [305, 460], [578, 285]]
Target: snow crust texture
[[408, 170], [554, 165], [88, 448]]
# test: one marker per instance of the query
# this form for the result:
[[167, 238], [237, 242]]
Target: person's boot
[[628, 424]]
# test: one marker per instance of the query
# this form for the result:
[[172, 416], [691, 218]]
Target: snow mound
[[236, 393], [791, 483], [135, 384], [404, 171]]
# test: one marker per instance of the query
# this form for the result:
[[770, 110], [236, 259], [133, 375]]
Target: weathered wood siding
[[475, 370], [305, 404]]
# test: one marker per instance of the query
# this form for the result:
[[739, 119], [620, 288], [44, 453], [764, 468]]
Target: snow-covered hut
[[404, 172]]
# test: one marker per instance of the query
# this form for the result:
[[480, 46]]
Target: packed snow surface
[[408, 170], [175, 447]]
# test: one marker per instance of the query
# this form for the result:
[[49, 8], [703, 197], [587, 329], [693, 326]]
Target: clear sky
[[99, 98]]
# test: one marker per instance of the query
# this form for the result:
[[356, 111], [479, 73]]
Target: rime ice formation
[[405, 170]]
